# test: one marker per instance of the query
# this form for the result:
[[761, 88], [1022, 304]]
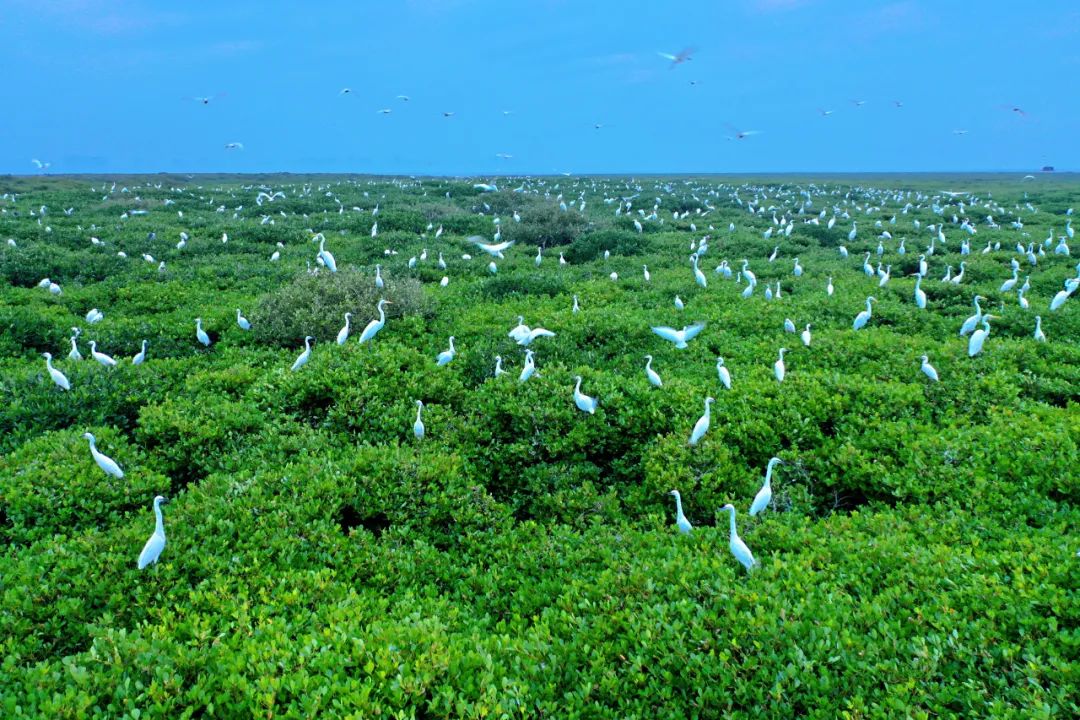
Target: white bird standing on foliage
[[972, 322], [679, 304], [526, 339], [805, 335], [242, 321], [375, 325], [75, 354], [679, 337], [418, 426], [920, 294], [680, 520], [529, 369], [764, 495], [1039, 334], [829, 289], [722, 372], [702, 425], [654, 378], [57, 377], [343, 333], [928, 369], [583, 401], [864, 317], [446, 356], [304, 356], [326, 257], [779, 370], [152, 549], [200, 334], [140, 357], [699, 276], [378, 277], [100, 356], [736, 545], [975, 343], [789, 325], [106, 463]]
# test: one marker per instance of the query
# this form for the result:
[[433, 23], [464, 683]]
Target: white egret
[[805, 335], [1039, 334], [302, 360], [140, 357], [764, 495], [779, 370], [583, 401], [1024, 304], [789, 325], [446, 356], [518, 331], [679, 337], [736, 545], [864, 317], [539, 257], [326, 257], [100, 356], [699, 276], [343, 333], [922, 265], [972, 322], [1011, 282], [648, 277], [975, 343], [654, 378], [378, 277], [679, 304], [152, 549], [829, 289], [723, 374], [1059, 299], [418, 426], [529, 369], [920, 294], [960, 275], [798, 269], [75, 354], [242, 321], [57, 377], [106, 463], [375, 325], [751, 277], [702, 425], [94, 316], [928, 369], [680, 520], [526, 339], [885, 276], [577, 307]]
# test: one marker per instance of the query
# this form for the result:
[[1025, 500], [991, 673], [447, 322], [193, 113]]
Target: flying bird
[[234, 146], [683, 56]]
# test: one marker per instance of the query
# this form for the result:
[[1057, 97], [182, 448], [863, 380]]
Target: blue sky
[[107, 85]]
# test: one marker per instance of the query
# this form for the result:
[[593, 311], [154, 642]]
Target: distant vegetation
[[918, 559]]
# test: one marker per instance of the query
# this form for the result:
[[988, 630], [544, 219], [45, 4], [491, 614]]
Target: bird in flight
[[41, 165], [206, 100], [234, 146], [858, 103], [897, 103], [447, 114], [959, 132], [825, 113], [740, 134], [384, 111], [403, 98], [684, 55], [345, 91], [503, 156]]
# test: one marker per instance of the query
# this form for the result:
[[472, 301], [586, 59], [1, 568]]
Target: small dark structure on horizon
[[1048, 168]]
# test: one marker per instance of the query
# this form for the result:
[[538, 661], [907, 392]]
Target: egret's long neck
[[678, 506], [768, 474], [734, 534], [451, 344], [159, 527], [708, 409], [382, 315]]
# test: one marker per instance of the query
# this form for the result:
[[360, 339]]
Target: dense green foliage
[[919, 558]]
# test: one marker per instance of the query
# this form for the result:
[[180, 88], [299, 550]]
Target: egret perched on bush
[[106, 463], [699, 276], [680, 520], [735, 543], [498, 366], [447, 355], [805, 335], [829, 289], [789, 325], [1059, 299], [1039, 335], [526, 338], [583, 401], [242, 321], [975, 343], [654, 378], [679, 304], [702, 425], [529, 369], [920, 295], [680, 337], [152, 549], [75, 354], [1011, 282], [100, 356], [326, 257], [200, 334], [576, 308], [140, 357], [864, 317], [972, 322], [304, 356], [375, 325], [378, 277], [722, 372], [418, 426], [928, 369], [764, 495], [779, 370], [57, 377], [343, 333]]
